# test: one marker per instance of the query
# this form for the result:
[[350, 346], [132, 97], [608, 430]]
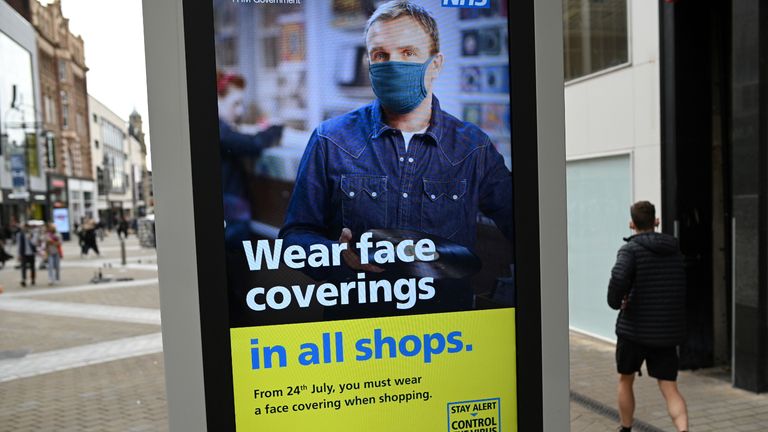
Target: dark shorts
[[661, 362]]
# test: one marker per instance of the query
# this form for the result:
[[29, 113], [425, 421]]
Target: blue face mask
[[399, 85]]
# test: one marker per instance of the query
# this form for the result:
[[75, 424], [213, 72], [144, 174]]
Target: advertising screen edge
[[179, 252], [552, 215], [172, 183]]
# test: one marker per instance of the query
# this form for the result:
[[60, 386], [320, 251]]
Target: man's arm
[[622, 275], [495, 199], [308, 217], [236, 143]]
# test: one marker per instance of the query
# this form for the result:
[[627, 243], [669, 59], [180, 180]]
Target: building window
[[96, 143], [62, 70], [95, 118], [80, 124], [64, 110], [595, 36], [52, 108]]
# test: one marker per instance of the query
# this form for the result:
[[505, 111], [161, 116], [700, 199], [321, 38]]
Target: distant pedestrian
[[26, 240], [648, 287], [89, 238], [53, 250], [13, 230], [100, 230], [122, 228], [4, 237]]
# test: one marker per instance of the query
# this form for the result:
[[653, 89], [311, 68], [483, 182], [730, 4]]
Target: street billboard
[[376, 168], [61, 219]]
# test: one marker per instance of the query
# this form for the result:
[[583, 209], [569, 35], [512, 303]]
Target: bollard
[[122, 250]]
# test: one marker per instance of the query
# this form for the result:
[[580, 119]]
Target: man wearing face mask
[[235, 146], [400, 162]]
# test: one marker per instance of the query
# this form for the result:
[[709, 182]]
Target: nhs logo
[[467, 3]]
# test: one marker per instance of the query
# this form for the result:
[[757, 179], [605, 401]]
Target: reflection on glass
[[595, 36]]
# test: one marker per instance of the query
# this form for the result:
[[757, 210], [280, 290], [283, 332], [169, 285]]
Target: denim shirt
[[357, 174]]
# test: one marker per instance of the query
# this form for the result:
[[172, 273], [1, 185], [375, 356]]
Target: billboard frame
[[195, 322]]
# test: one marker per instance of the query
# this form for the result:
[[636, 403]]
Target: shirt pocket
[[364, 202], [442, 207]]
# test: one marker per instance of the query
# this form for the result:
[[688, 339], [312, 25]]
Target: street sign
[[391, 261], [19, 195], [18, 171]]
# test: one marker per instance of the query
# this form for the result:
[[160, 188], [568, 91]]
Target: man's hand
[[624, 302], [274, 134], [351, 258]]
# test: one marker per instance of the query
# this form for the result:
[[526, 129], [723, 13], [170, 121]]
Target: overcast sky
[[113, 33]]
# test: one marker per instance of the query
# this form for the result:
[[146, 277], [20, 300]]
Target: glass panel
[[595, 36], [17, 100], [599, 196]]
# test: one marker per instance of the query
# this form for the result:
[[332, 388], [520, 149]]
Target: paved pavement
[[79, 356], [713, 404], [88, 357]]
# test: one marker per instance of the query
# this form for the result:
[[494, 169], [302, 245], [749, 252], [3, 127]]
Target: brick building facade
[[63, 92]]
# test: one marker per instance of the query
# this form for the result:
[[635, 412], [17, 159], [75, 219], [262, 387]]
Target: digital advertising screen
[[367, 190]]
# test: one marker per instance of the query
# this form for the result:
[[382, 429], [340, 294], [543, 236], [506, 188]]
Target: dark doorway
[[695, 95]]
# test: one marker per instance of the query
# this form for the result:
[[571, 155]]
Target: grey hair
[[396, 8]]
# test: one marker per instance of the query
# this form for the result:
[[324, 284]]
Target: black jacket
[[650, 272]]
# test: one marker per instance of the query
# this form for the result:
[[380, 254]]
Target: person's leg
[[626, 400], [51, 269], [23, 270], [32, 269], [629, 358], [663, 364], [58, 267], [675, 404]]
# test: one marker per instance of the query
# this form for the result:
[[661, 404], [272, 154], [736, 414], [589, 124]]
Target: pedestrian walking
[[122, 228], [26, 241], [54, 253], [647, 285], [4, 255], [89, 238]]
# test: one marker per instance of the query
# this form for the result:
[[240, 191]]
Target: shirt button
[[455, 197], [405, 195], [351, 194], [432, 196], [373, 194], [410, 160], [402, 159]]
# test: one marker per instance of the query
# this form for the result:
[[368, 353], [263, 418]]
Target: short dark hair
[[643, 215], [396, 8]]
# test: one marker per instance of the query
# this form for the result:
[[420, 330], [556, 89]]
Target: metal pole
[[122, 249]]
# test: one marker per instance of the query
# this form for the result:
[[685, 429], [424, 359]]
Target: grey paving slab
[[124, 395], [84, 355], [81, 310], [141, 296], [713, 403], [24, 333], [52, 293], [584, 420]]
